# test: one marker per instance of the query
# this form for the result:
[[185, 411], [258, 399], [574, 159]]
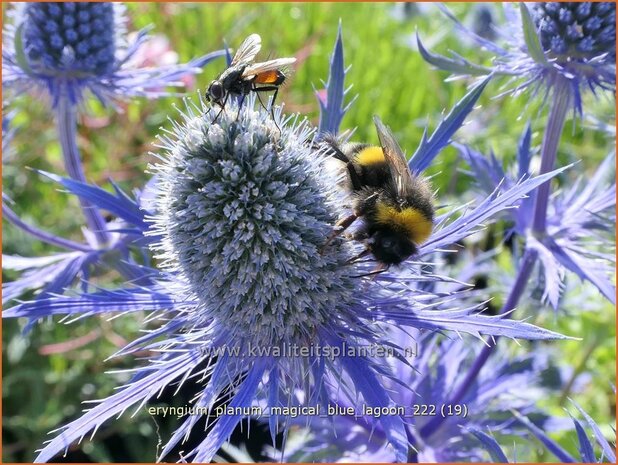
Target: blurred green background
[[51, 370]]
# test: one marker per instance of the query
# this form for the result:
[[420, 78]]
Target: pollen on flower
[[70, 36], [244, 210]]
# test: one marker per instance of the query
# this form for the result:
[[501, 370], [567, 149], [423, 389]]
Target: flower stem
[[527, 265], [555, 124], [66, 123]]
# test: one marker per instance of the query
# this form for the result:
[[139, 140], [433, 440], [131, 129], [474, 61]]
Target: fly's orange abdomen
[[274, 77]]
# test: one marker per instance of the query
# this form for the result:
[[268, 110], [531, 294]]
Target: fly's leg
[[222, 108], [272, 103], [257, 94], [242, 100], [257, 90]]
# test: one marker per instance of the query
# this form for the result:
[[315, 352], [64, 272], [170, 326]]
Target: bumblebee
[[396, 206], [244, 76]]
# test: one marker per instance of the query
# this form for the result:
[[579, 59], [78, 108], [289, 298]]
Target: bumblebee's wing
[[248, 49], [401, 175], [259, 68]]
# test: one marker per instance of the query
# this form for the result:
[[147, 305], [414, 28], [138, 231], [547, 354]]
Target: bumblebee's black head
[[215, 91], [390, 247]]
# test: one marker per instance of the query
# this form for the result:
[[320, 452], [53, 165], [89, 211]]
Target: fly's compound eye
[[215, 91]]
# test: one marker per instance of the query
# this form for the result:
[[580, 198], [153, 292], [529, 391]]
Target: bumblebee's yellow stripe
[[413, 222], [370, 156]]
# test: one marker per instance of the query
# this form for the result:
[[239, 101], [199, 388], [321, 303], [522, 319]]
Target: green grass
[[40, 392]]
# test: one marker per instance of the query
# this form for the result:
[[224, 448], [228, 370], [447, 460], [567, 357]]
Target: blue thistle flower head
[[577, 31], [548, 47], [243, 211], [72, 37], [66, 48]]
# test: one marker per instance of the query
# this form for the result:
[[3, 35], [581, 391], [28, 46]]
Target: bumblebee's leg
[[344, 223], [360, 235], [381, 269], [364, 253], [340, 227]]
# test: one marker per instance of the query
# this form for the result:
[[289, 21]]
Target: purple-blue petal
[[585, 446], [462, 320], [429, 148], [119, 204], [124, 300], [470, 221], [490, 445], [585, 269], [332, 111], [548, 442], [225, 425], [608, 451], [375, 395], [149, 383]]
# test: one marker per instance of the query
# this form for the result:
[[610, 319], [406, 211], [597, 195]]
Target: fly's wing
[[248, 49], [259, 68], [401, 177]]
